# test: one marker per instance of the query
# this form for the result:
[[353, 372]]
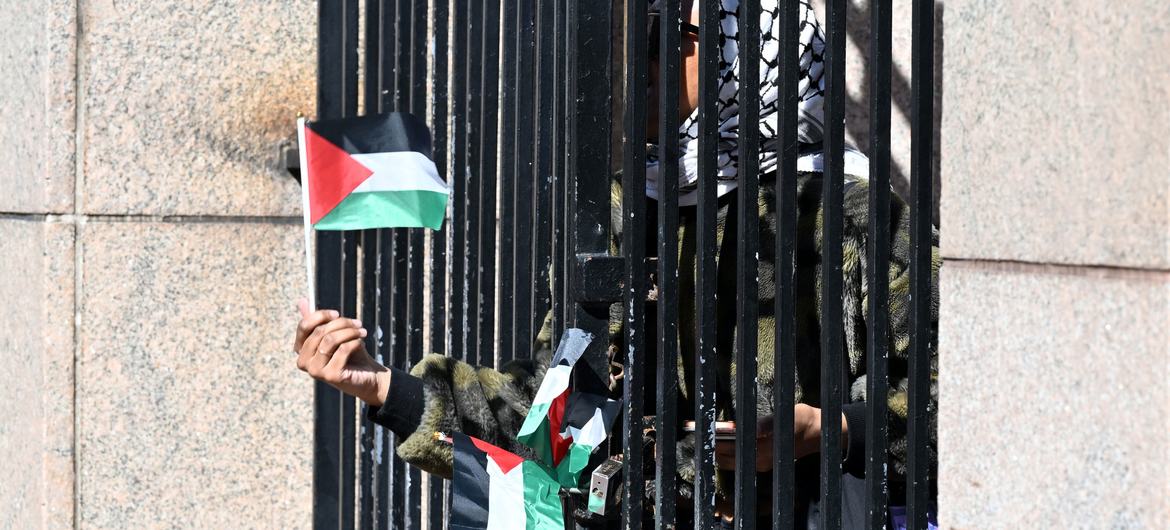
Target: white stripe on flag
[[556, 381], [505, 498], [399, 171], [592, 433]]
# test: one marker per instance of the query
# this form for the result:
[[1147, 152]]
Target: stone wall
[[1054, 341], [150, 254]]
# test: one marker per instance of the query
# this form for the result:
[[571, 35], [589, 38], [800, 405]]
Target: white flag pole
[[305, 210]]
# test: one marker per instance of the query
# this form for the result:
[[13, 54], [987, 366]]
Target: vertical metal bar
[[475, 132], [337, 59], [590, 126], [560, 156], [350, 292], [566, 84], [705, 367], [666, 426], [367, 492], [921, 153], [634, 251], [401, 47], [418, 60], [371, 434], [440, 126], [327, 400], [397, 248], [489, 127], [387, 97], [783, 472], [457, 253], [385, 354], [878, 265], [415, 246], [439, 17], [747, 269], [832, 351], [509, 70], [524, 187], [336, 97], [545, 92]]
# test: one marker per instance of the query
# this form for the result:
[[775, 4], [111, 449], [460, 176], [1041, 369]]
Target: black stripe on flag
[[470, 485], [380, 133], [582, 406]]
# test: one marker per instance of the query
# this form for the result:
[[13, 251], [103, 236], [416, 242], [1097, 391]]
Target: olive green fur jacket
[[491, 404]]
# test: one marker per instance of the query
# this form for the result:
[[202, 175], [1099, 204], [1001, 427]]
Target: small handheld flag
[[494, 489], [371, 172], [368, 172]]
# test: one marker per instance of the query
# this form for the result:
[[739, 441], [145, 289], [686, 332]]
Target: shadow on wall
[[857, 104]]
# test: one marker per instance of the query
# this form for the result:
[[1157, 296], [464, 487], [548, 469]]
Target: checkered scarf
[[810, 108]]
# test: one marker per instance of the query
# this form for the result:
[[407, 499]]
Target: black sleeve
[[403, 409]]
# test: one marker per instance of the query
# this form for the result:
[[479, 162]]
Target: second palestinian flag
[[542, 427], [497, 490], [370, 172], [563, 427]]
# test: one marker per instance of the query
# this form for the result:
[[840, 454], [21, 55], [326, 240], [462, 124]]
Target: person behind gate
[[441, 393]]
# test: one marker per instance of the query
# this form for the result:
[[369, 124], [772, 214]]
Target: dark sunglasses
[[654, 32]]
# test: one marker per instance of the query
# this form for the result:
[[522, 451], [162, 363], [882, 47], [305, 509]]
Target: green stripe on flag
[[542, 499], [569, 470], [536, 432], [384, 209]]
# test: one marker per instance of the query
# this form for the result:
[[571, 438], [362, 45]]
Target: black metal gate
[[524, 128]]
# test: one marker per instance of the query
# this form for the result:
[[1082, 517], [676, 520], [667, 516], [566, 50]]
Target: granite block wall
[[150, 255], [1054, 353], [150, 252]]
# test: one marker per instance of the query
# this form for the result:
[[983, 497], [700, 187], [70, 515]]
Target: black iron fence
[[520, 96]]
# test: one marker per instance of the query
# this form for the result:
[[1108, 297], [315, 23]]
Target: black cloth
[[402, 411]]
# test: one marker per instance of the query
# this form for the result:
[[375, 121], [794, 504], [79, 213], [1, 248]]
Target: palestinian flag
[[493, 489], [370, 172], [564, 427], [587, 422]]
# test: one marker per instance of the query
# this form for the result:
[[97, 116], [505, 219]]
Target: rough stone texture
[[191, 412], [37, 115], [1055, 398], [58, 372], [1054, 142], [36, 436], [185, 104]]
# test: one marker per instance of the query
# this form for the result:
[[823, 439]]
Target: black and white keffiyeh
[[810, 107]]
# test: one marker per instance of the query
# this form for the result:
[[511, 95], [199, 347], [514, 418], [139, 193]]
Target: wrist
[[381, 388]]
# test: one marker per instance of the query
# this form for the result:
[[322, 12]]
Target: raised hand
[[330, 348]]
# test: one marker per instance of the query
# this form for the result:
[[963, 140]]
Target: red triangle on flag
[[333, 174], [507, 461]]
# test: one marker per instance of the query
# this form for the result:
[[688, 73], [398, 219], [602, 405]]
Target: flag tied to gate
[[494, 488], [370, 172], [497, 490], [563, 427]]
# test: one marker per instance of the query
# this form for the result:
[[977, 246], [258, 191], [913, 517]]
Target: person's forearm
[[809, 437]]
